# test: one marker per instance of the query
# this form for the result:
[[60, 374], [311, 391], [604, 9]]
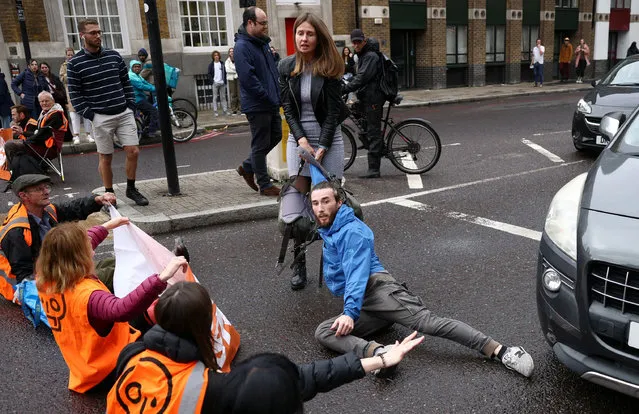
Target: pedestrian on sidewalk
[[27, 85], [374, 300], [233, 83], [89, 323], [217, 76], [538, 63], [75, 118], [632, 50], [263, 384], [91, 72], [565, 57], [5, 103], [583, 59], [312, 78], [260, 93]]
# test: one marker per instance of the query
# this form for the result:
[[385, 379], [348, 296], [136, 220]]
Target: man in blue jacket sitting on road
[[140, 89], [374, 300]]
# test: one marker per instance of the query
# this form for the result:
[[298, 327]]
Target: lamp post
[[23, 30]]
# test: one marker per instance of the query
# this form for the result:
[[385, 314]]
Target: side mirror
[[611, 123], [594, 83]]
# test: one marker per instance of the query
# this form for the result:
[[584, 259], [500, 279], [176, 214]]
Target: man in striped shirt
[[101, 92]]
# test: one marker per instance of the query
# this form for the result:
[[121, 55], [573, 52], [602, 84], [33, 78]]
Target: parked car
[[617, 91], [588, 265]]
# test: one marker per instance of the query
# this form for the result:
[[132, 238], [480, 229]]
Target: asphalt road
[[477, 273]]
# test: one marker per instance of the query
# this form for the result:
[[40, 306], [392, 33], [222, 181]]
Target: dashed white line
[[184, 166], [469, 218], [539, 134], [543, 151]]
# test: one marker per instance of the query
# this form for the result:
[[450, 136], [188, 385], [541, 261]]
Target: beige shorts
[[106, 126]]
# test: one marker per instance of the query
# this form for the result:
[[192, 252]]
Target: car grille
[[593, 123], [615, 287]]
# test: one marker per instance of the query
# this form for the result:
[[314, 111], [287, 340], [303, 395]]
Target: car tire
[[578, 145]]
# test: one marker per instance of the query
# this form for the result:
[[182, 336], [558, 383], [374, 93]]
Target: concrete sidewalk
[[218, 197], [207, 121]]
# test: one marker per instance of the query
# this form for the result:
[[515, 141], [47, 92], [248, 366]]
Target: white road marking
[[184, 166], [539, 134], [67, 188], [497, 225], [467, 184], [543, 151], [414, 180]]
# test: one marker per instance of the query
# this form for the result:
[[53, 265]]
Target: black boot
[[374, 162], [298, 281]]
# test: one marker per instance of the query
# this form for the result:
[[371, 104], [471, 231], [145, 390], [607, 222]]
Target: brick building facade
[[436, 43]]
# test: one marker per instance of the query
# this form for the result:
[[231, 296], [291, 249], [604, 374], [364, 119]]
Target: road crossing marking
[[468, 184], [469, 218], [543, 151]]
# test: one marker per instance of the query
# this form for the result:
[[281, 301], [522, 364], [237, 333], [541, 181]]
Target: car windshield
[[626, 73]]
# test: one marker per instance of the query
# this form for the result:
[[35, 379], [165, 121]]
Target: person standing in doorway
[[583, 59], [100, 91], [232, 83], [565, 56], [260, 93], [538, 63], [217, 75]]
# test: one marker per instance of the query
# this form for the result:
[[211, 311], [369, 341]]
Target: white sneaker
[[517, 359], [89, 138], [216, 114], [384, 372], [76, 140]]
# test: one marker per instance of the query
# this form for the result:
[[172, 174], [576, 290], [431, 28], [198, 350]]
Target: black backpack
[[388, 78]]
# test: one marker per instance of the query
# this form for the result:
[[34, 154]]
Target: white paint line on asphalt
[[497, 225], [539, 134], [67, 188], [467, 184], [543, 151], [184, 166], [414, 180]]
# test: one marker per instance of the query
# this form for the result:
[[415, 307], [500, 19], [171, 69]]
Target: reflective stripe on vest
[[17, 217], [16, 222], [3, 274], [193, 388], [65, 122]]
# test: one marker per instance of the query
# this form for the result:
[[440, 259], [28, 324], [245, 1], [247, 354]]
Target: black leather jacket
[[366, 81], [328, 106]]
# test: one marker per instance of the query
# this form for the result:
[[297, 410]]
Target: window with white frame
[[495, 43], [104, 11], [456, 44], [203, 23], [529, 35]]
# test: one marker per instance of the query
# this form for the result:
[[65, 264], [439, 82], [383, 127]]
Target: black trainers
[[135, 195]]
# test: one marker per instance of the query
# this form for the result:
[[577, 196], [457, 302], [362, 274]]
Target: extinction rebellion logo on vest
[[131, 396], [56, 311]]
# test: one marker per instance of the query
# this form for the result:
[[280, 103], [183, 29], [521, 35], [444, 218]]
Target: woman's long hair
[[327, 63], [65, 258], [263, 384], [185, 309]]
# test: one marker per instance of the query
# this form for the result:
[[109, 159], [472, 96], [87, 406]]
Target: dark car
[[617, 91], [588, 265]]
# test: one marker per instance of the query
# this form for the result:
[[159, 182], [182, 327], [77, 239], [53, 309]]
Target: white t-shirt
[[217, 78], [537, 54]]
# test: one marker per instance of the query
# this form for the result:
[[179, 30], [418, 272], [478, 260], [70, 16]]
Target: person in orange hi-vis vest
[[29, 220], [174, 368], [89, 324]]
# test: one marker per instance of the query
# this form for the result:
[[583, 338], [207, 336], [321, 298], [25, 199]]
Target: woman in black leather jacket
[[310, 84]]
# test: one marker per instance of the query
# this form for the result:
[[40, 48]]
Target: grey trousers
[[386, 302]]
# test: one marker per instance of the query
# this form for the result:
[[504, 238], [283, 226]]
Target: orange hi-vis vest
[[90, 357], [51, 141], [18, 217], [155, 383], [31, 121]]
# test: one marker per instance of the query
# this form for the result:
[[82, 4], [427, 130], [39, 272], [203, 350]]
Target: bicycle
[[183, 103], [183, 123], [412, 145]]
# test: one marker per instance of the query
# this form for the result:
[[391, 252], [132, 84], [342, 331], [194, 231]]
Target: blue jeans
[[5, 121], [538, 72]]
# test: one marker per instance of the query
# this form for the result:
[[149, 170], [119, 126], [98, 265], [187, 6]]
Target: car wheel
[[578, 145]]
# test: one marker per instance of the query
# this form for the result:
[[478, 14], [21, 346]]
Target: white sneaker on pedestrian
[[76, 140], [90, 138], [384, 372], [216, 114], [517, 359]]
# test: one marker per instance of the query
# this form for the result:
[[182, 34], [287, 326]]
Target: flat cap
[[27, 180]]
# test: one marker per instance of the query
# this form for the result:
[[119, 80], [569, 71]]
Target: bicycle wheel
[[185, 104], [350, 147], [139, 126], [183, 125], [413, 146]]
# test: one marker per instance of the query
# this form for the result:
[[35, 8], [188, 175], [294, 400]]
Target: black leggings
[[581, 68]]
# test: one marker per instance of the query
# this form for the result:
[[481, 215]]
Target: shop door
[[403, 54]]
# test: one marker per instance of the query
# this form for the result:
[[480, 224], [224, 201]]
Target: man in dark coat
[[259, 90], [5, 103], [370, 96]]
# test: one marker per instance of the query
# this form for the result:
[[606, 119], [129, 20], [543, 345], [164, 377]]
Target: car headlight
[[584, 107], [561, 221]]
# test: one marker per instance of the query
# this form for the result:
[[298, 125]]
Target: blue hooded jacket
[[139, 84], [257, 72], [349, 259]]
